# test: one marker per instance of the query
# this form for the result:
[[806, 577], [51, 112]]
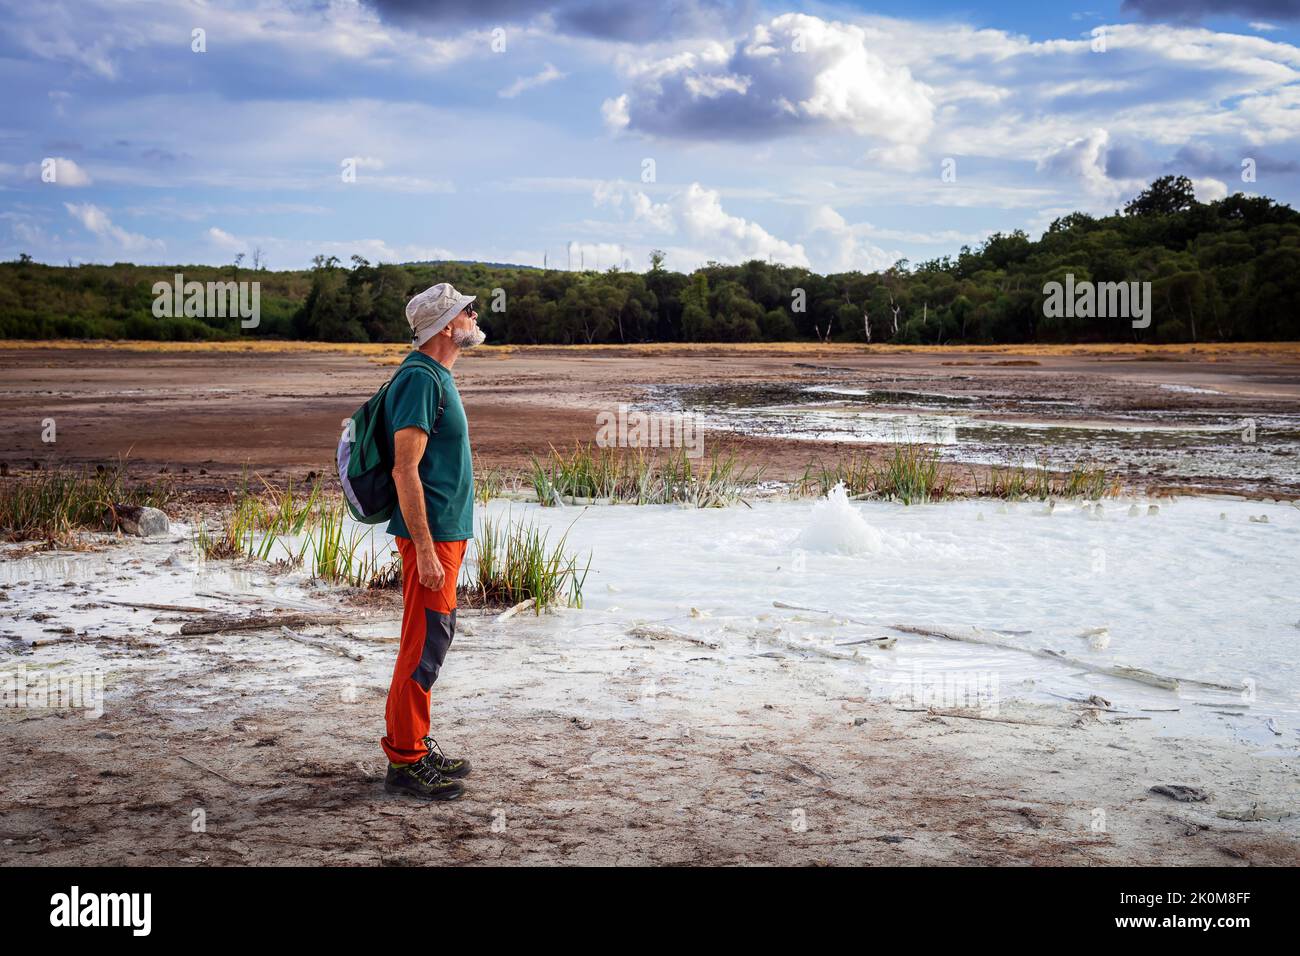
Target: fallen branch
[[371, 638], [323, 645], [1122, 671], [511, 612], [953, 713], [47, 641], [1093, 703], [650, 633], [215, 773], [885, 643], [223, 623], [143, 605], [821, 610]]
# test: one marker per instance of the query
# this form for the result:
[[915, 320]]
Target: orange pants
[[428, 625]]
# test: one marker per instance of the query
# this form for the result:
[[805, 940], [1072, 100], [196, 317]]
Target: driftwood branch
[[1122, 671], [651, 633], [1128, 673], [322, 645], [225, 623], [215, 773], [143, 605], [511, 612]]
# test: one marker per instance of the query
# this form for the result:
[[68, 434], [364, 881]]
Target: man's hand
[[429, 568]]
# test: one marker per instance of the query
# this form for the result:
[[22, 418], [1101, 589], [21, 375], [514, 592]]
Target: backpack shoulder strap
[[437, 420]]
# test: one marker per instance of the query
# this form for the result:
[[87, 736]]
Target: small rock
[[144, 523]]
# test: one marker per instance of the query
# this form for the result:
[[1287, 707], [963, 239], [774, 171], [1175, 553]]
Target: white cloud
[[97, 221], [103, 36], [695, 215], [794, 73], [595, 255], [614, 112], [66, 172], [1084, 160], [1209, 189], [841, 247], [548, 74], [224, 240], [701, 216]]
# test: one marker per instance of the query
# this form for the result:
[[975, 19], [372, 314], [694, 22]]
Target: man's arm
[[408, 449]]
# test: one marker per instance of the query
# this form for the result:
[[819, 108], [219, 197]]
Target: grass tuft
[[55, 505], [631, 476], [1018, 482], [911, 472], [515, 563]]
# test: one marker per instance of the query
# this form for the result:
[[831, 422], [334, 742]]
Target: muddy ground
[[587, 751], [205, 414]]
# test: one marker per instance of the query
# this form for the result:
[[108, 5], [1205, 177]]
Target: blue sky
[[592, 131]]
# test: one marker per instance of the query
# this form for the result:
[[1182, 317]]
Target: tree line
[[1219, 271]]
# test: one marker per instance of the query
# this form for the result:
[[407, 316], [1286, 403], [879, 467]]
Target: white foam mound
[[837, 527]]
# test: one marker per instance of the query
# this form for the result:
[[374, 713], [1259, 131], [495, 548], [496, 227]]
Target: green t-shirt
[[446, 470]]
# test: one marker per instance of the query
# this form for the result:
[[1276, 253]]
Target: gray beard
[[467, 340]]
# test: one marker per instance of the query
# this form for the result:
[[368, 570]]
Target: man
[[428, 439]]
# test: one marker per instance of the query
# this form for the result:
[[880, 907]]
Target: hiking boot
[[453, 767], [421, 779]]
